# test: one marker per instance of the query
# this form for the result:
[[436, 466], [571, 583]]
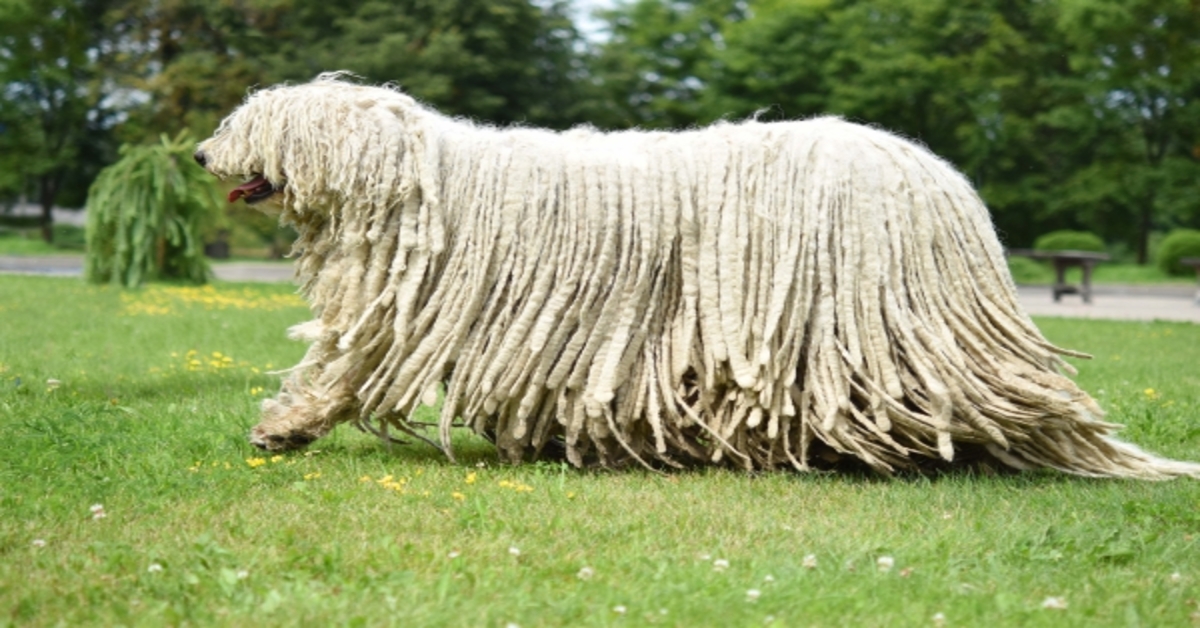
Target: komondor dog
[[788, 294]]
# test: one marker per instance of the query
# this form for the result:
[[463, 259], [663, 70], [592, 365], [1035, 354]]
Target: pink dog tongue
[[246, 189]]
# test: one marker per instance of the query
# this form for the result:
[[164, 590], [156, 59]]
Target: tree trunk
[[1144, 222], [48, 190], [160, 257]]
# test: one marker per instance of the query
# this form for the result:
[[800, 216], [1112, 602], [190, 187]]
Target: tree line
[[1077, 114]]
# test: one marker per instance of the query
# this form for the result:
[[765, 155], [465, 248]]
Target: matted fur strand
[[763, 294]]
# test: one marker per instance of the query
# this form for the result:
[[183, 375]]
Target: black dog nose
[[200, 158]]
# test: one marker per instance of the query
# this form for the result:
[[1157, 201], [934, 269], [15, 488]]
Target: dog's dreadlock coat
[[764, 294]]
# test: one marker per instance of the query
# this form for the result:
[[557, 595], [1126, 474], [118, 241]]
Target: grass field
[[128, 496]]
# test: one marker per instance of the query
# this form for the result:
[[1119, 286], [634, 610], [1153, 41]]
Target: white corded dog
[[767, 294]]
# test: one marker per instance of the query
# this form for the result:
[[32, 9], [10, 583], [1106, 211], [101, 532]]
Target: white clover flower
[[720, 564], [454, 554], [705, 557], [620, 610], [39, 542], [753, 595], [885, 563], [514, 551], [154, 568], [1176, 577], [768, 578], [242, 574], [939, 620], [586, 573], [810, 561], [1055, 603]]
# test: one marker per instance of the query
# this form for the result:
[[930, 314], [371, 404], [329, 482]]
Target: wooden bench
[[1062, 260], [1194, 262]]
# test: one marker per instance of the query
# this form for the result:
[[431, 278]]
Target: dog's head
[[312, 147]]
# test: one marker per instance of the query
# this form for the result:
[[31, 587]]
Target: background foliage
[[1079, 114]]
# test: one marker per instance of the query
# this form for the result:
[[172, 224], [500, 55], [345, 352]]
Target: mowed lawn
[[129, 496]]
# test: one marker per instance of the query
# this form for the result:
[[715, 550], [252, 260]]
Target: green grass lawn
[[139, 402]]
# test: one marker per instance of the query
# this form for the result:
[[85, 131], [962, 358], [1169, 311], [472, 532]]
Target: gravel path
[[1171, 303]]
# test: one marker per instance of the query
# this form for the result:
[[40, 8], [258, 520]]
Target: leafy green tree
[[1138, 62], [189, 61], [54, 116], [501, 61], [146, 214], [656, 68]]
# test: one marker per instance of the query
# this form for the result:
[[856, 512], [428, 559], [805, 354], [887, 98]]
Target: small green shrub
[[1178, 244], [20, 222], [70, 237], [147, 214], [1066, 240]]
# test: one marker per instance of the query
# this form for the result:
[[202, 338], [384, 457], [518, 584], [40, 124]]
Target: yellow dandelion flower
[[312, 476], [458, 496], [365, 478], [255, 462], [470, 478]]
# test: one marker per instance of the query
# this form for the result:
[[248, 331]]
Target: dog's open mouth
[[255, 190]]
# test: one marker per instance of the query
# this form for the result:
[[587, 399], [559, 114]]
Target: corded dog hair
[[767, 295]]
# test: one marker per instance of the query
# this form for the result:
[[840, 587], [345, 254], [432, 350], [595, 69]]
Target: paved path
[[72, 266], [1168, 303], [1173, 303]]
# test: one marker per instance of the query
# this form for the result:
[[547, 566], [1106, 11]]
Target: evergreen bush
[[1067, 240], [146, 215], [1178, 244]]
